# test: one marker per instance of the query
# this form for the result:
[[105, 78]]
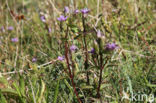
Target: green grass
[[127, 70]]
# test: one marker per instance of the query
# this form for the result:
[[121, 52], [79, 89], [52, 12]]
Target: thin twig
[[69, 70], [53, 6], [85, 47], [21, 71], [32, 91], [16, 57], [135, 53]]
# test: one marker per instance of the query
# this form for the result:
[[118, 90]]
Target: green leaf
[[87, 87], [3, 81], [41, 92], [9, 91], [2, 98], [68, 85], [36, 18], [56, 92], [115, 28], [105, 85], [22, 85], [74, 29]]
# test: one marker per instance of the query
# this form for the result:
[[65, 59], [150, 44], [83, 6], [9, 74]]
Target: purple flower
[[92, 51], [14, 39], [49, 29], [43, 18], [76, 11], [34, 59], [61, 58], [73, 48], [99, 34], [66, 9], [85, 11], [62, 18], [10, 28], [2, 29], [111, 46]]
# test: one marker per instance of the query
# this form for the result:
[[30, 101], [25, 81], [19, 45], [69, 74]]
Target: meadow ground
[[77, 51]]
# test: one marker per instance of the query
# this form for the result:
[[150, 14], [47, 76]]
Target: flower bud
[[95, 46]]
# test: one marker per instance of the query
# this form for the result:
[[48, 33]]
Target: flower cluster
[[111, 46], [92, 51], [34, 59], [85, 11], [14, 39], [62, 18], [76, 11], [67, 10], [10, 28], [73, 48], [43, 19], [61, 58]]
